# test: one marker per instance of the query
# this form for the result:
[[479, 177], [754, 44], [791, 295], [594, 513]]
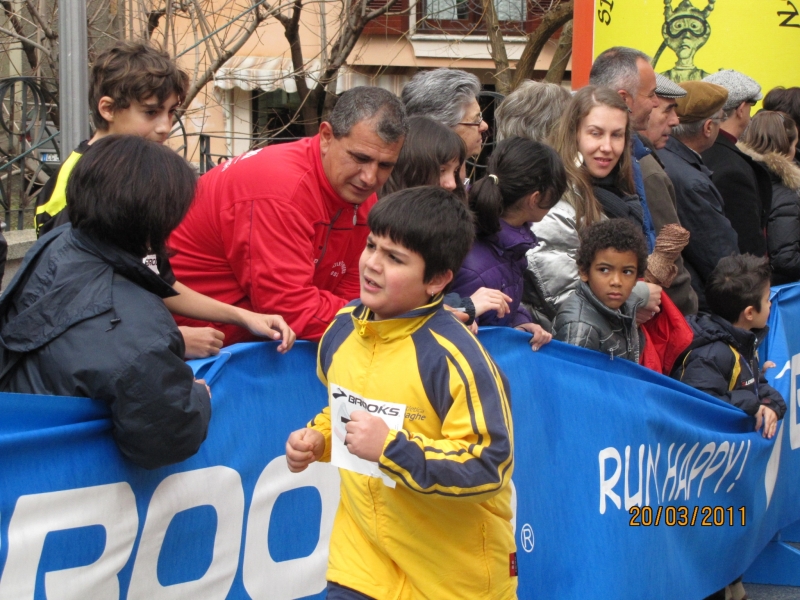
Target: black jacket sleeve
[[708, 369], [698, 213], [783, 235], [160, 415]]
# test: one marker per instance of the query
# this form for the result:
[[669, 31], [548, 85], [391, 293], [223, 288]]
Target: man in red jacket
[[280, 229]]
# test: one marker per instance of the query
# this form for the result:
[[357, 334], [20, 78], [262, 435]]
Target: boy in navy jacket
[[723, 358]]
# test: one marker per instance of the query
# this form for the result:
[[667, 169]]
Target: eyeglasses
[[474, 123]]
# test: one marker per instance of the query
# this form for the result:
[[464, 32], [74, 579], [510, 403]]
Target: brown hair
[[785, 100], [587, 208], [770, 131], [133, 71], [427, 147]]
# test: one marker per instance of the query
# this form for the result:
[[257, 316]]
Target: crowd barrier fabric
[[628, 485]]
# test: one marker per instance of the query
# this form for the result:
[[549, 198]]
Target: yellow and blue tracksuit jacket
[[444, 532]]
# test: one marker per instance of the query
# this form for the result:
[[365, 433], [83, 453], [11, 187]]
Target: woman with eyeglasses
[[449, 96], [771, 139]]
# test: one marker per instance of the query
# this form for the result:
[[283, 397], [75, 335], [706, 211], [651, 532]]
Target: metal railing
[[30, 152]]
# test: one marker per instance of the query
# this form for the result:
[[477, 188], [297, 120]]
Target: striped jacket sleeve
[[329, 342], [474, 457]]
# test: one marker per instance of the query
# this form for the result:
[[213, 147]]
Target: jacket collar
[[780, 167], [710, 328], [334, 203], [688, 155], [514, 241], [624, 316], [397, 328], [129, 266], [640, 148]]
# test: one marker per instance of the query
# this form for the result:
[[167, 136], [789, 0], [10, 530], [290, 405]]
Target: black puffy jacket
[[783, 226], [723, 361], [84, 318]]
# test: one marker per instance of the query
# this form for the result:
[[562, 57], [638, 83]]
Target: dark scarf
[[616, 204]]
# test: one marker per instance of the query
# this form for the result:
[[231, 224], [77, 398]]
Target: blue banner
[[628, 485]]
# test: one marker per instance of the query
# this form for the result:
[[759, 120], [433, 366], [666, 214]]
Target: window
[[517, 17]]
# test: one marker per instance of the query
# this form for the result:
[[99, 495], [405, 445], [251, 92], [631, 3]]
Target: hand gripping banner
[[628, 485]]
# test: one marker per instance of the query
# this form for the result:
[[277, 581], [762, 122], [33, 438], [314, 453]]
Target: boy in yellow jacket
[[419, 422]]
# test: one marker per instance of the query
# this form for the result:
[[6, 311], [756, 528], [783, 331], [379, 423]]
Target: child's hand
[[540, 336], [201, 342], [365, 435], [269, 326], [208, 389], [486, 299], [766, 366], [769, 419], [303, 447]]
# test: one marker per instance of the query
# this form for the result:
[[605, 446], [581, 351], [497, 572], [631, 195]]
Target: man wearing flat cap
[[701, 208], [658, 187], [744, 184]]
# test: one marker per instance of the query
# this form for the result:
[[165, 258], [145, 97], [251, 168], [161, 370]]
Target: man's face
[[662, 120], [149, 119], [471, 128], [644, 100], [359, 163]]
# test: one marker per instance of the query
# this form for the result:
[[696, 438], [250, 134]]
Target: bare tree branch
[[551, 22], [48, 32], [558, 66], [220, 60], [497, 48]]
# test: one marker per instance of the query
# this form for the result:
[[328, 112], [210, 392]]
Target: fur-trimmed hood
[[778, 164]]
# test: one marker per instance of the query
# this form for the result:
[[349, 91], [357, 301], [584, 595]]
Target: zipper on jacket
[[328, 235]]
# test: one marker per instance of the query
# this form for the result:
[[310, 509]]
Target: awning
[[270, 73], [267, 73]]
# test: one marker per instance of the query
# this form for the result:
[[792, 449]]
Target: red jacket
[[268, 233]]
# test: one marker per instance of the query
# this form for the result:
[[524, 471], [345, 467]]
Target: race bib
[[343, 404]]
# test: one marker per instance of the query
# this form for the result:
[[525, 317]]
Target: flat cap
[[741, 88], [666, 88], [702, 101]]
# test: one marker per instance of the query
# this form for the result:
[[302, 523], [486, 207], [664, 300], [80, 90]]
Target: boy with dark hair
[[136, 89], [601, 313], [723, 359], [444, 441]]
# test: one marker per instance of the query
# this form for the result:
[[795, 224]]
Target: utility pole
[[73, 69]]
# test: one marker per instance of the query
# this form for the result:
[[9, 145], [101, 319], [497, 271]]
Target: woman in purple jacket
[[526, 178]]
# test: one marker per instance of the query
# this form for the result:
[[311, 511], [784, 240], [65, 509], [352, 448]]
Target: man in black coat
[[744, 184], [701, 208]]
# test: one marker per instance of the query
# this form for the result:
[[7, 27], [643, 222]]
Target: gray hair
[[366, 102], [531, 111], [687, 131], [441, 94], [616, 68]]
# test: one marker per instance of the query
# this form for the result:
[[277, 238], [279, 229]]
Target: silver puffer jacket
[[552, 274]]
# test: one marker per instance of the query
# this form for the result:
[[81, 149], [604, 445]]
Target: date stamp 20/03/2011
[[684, 516]]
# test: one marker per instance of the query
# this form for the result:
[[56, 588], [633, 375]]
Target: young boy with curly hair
[[723, 358], [601, 313], [425, 508]]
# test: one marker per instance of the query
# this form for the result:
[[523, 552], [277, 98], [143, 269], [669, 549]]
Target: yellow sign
[[689, 39]]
